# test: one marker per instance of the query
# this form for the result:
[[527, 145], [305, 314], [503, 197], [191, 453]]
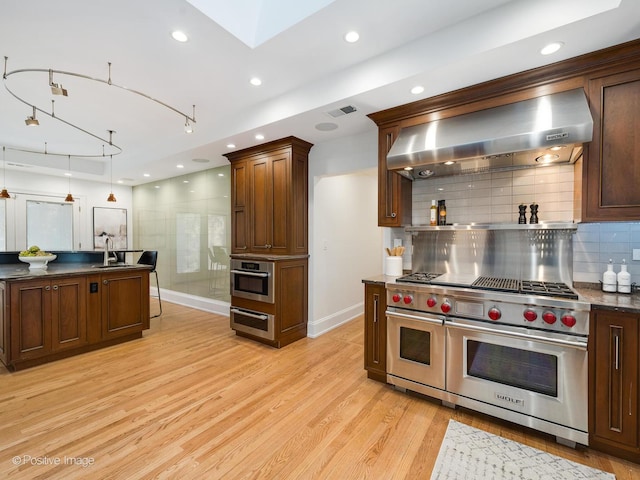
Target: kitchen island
[[69, 308]]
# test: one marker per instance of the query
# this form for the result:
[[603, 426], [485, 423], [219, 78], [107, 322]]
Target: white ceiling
[[306, 67]]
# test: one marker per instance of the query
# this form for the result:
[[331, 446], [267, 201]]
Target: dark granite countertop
[[21, 271], [623, 302]]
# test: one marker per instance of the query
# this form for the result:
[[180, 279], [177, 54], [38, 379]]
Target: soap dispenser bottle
[[609, 279], [624, 279]]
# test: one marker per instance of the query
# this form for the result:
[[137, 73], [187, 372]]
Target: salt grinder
[[523, 210], [534, 213]]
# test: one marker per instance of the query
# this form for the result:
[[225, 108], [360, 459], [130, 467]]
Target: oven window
[[415, 345], [532, 371], [250, 284]]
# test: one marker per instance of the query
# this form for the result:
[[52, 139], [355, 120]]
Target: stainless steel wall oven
[[252, 280]]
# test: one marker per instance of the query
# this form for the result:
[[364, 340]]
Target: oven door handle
[[249, 314], [414, 317], [251, 274], [555, 341]]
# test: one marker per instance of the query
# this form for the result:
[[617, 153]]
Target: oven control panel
[[531, 315]]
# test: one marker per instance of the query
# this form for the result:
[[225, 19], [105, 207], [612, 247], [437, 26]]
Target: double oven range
[[512, 349]]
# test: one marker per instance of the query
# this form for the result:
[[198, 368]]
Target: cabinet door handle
[[375, 308], [393, 214], [55, 287], [617, 351], [47, 288], [105, 282], [630, 390]]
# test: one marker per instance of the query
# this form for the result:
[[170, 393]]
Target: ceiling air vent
[[342, 111]]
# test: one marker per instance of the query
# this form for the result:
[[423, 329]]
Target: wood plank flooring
[[191, 400]]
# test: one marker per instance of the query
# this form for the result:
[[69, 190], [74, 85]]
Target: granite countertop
[[21, 271]]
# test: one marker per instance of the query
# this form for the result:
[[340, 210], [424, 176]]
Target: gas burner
[[418, 277], [547, 289]]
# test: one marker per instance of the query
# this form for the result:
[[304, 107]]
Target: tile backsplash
[[494, 197]]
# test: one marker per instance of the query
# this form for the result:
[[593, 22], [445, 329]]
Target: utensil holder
[[393, 266]]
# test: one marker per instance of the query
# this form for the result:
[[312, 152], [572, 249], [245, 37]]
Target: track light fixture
[[4, 194], [69, 197], [56, 89], [111, 197], [32, 121]]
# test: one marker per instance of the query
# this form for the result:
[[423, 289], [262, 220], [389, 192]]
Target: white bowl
[[38, 262]]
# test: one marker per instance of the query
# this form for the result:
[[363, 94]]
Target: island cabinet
[[612, 160], [375, 331], [44, 319], [614, 426], [269, 198]]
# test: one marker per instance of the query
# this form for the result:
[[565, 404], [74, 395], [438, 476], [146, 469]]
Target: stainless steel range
[[509, 348]]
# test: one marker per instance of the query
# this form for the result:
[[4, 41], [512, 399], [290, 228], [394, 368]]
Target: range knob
[[568, 320], [396, 297], [446, 306], [549, 317], [530, 315], [495, 313], [431, 302], [407, 299]]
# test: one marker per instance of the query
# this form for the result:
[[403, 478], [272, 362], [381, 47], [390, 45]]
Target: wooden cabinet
[[612, 159], [375, 331], [613, 383], [124, 302], [269, 198], [394, 191], [58, 316], [47, 316]]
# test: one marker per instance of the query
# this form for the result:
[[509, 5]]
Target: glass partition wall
[[187, 220]]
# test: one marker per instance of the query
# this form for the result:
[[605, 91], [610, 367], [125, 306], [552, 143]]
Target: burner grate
[[548, 289], [418, 277], [498, 284]]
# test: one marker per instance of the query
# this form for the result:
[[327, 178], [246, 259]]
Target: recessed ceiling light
[[551, 48], [157, 186], [231, 145], [255, 81], [259, 136], [417, 89], [221, 174], [67, 174], [185, 181], [352, 37], [179, 166], [146, 174], [120, 181], [179, 36]]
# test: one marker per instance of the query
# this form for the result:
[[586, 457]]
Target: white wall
[[86, 194], [345, 240]]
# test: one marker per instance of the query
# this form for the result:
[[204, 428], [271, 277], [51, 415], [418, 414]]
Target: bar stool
[[150, 257]]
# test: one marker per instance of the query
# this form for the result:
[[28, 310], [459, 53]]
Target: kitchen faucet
[[106, 259]]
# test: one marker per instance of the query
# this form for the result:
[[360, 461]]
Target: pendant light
[[4, 193], [111, 197], [69, 197]]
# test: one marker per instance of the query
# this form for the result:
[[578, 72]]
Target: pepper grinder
[[534, 213], [523, 210]]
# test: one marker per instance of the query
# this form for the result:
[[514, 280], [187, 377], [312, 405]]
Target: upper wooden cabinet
[[394, 191], [269, 198], [612, 159]]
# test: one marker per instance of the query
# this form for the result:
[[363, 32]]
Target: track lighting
[[32, 121], [188, 128], [4, 194], [56, 89], [69, 197]]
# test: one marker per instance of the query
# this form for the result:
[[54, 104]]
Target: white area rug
[[468, 453]]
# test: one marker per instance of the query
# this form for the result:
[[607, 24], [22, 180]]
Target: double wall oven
[[253, 280], [508, 348]]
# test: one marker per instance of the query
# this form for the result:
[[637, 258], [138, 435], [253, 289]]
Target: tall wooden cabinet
[[269, 198], [375, 331], [613, 383], [394, 191]]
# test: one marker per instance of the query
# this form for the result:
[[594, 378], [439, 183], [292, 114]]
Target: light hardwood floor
[[193, 401]]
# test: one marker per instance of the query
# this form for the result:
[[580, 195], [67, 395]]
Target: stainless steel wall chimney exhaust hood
[[545, 130]]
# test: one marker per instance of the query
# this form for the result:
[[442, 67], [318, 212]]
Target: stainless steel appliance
[[252, 279], [255, 323], [512, 349]]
